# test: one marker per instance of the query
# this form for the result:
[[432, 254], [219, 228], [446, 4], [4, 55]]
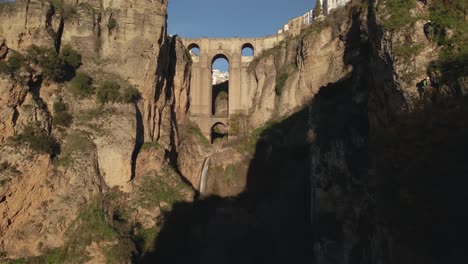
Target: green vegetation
[[194, 130], [284, 63], [4, 166], [151, 145], [408, 51], [164, 187], [66, 10], [248, 144], [145, 238], [38, 140], [92, 225], [108, 92], [448, 19], [70, 57], [81, 85], [15, 62], [55, 66], [450, 16], [265, 54], [77, 143], [61, 116], [222, 95], [399, 12], [9, 170], [122, 252], [281, 79], [112, 24], [130, 95]]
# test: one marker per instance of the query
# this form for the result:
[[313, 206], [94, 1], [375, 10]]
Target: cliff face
[[358, 79], [345, 163], [117, 39], [345, 141], [42, 194]]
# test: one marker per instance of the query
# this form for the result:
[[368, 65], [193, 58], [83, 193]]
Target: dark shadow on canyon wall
[[271, 221], [410, 208], [348, 179]]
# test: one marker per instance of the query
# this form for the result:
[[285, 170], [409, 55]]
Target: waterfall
[[204, 175]]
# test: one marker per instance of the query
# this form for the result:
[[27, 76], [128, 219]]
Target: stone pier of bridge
[[241, 82]]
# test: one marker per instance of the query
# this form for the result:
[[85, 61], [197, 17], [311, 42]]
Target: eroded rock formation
[[123, 41]]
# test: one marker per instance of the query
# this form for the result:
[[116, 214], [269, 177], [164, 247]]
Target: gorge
[[337, 150]]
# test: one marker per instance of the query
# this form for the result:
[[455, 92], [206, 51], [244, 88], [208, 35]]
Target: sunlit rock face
[[122, 41]]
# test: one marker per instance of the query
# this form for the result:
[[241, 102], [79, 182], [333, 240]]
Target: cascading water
[[204, 175]]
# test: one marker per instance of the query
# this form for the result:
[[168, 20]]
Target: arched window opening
[[219, 133], [194, 50], [247, 50], [220, 86]]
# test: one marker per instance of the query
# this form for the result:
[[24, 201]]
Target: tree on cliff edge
[[318, 8]]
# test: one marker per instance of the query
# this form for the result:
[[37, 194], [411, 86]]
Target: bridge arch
[[194, 49], [220, 88], [248, 50], [218, 131], [219, 56], [242, 83]]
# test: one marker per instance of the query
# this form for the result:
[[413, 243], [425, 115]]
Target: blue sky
[[232, 18]]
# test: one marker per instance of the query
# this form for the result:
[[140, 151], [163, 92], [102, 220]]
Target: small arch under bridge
[[242, 85]]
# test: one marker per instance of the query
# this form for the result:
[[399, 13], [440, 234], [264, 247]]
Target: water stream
[[204, 175]]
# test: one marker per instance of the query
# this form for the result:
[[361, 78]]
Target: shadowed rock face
[[351, 178]]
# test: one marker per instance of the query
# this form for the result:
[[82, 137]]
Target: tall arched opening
[[220, 86], [219, 133], [194, 50], [248, 50]]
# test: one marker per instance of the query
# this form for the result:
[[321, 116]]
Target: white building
[[329, 5], [219, 76], [308, 18]]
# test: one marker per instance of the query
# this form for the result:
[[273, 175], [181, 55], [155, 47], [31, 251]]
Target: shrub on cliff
[[14, 63], [55, 66], [70, 57], [449, 21], [65, 10], [38, 140], [108, 92], [130, 95], [61, 116], [318, 8], [81, 85], [399, 14], [112, 24]]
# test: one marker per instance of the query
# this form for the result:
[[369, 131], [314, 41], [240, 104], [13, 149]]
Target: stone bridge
[[240, 85]]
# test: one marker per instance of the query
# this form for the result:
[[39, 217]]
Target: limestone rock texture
[[103, 149], [307, 64], [33, 208]]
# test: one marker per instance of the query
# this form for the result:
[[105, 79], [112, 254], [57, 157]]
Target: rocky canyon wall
[[103, 145]]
